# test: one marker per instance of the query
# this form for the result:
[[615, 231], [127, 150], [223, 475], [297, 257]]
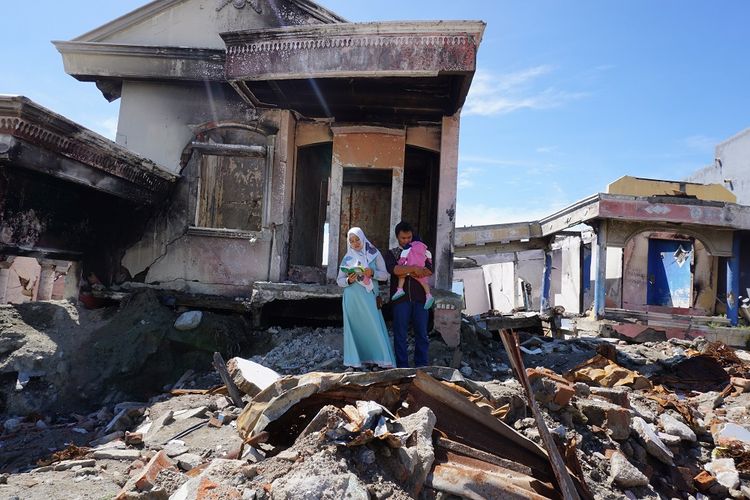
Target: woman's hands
[[352, 277]]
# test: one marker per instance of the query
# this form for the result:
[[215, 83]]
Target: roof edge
[[157, 6]]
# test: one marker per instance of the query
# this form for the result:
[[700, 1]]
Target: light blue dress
[[366, 338]]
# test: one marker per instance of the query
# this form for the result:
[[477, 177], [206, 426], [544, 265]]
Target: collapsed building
[[250, 136], [655, 257]]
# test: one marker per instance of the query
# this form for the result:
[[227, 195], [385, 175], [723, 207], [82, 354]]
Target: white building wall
[[731, 167]]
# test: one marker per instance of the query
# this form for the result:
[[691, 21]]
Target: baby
[[417, 255]]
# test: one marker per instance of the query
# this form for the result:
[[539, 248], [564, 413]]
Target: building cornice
[[90, 61], [22, 119], [354, 49]]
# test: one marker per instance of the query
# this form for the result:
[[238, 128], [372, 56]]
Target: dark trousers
[[404, 313]]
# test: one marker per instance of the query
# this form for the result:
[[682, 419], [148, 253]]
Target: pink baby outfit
[[416, 256]]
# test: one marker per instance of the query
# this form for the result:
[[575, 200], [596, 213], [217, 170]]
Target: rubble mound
[[58, 357]]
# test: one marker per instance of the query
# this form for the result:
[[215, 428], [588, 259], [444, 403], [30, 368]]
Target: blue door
[[670, 280]]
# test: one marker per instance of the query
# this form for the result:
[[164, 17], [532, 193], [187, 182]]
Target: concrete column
[[599, 265], [46, 281], [5, 265], [397, 198], [334, 218], [4, 273], [446, 216], [546, 281], [733, 282]]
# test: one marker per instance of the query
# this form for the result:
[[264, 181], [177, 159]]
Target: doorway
[[310, 203], [366, 203], [670, 277]]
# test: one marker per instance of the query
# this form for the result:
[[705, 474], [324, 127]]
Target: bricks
[[549, 387], [147, 477], [704, 481]]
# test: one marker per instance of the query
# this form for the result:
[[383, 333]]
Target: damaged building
[[651, 257], [251, 136]]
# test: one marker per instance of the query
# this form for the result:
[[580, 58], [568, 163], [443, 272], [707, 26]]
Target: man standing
[[410, 307]]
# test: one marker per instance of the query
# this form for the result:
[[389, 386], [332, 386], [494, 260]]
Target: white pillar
[[4, 273], [397, 198], [334, 218], [46, 281], [446, 216]]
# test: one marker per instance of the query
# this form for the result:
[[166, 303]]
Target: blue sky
[[568, 96]]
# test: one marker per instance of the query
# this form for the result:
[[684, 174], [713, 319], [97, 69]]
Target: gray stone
[[303, 486], [12, 424], [115, 454], [175, 448], [673, 426], [188, 461], [625, 474], [654, 446], [418, 459], [69, 464], [725, 472], [582, 390], [188, 320], [669, 439], [289, 455]]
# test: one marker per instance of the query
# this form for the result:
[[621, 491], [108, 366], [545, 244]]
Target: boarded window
[[234, 186], [231, 192]]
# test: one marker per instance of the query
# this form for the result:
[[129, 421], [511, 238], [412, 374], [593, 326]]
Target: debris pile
[[589, 418]]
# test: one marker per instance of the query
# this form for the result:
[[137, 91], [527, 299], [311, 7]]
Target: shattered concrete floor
[[654, 420]]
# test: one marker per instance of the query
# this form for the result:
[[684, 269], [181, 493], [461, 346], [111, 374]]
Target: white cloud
[[492, 94], [700, 143], [466, 177]]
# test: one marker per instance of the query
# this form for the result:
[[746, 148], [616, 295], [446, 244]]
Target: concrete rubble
[[650, 420]]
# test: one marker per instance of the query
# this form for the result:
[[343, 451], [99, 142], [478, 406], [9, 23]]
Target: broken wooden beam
[[234, 393]]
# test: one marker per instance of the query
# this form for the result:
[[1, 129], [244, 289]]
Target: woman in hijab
[[366, 339]]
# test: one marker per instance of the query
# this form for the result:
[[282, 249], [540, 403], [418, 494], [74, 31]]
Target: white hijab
[[362, 257]]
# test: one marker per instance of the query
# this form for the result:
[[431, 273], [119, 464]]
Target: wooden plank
[[564, 479], [234, 392]]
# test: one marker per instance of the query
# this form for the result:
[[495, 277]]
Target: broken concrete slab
[[673, 426], [251, 377], [725, 472], [69, 464], [418, 459], [115, 454], [729, 432], [625, 474], [669, 439], [654, 446]]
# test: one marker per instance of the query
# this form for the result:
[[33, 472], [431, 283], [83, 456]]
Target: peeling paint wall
[[225, 249], [23, 280]]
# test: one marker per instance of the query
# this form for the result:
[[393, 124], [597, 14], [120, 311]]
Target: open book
[[357, 269]]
